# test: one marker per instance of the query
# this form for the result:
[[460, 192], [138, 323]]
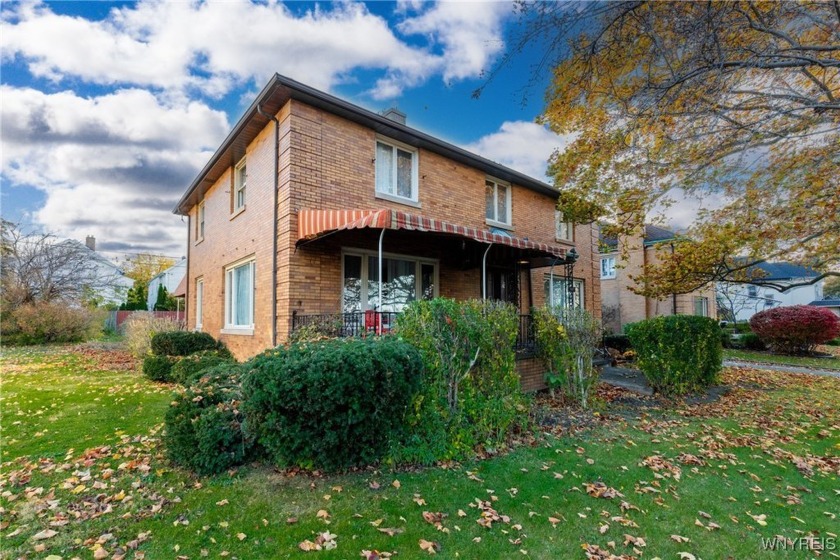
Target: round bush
[[204, 424], [158, 368], [189, 368], [678, 353], [795, 329], [184, 343], [331, 404]]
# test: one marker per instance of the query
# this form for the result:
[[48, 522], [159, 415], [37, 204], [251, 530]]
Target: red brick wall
[[327, 162]]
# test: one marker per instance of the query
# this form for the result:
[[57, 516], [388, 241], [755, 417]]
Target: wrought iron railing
[[371, 323]]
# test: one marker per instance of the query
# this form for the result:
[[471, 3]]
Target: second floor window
[[240, 181], [563, 230], [396, 171], [608, 267], [199, 226], [497, 202]]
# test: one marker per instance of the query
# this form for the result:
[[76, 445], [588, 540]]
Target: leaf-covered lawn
[[643, 480]]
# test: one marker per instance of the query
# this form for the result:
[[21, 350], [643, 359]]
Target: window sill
[[198, 241], [237, 212], [563, 240], [238, 331], [607, 277], [500, 225], [398, 199]]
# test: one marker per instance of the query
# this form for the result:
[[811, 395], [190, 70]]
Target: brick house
[[619, 305], [314, 209]]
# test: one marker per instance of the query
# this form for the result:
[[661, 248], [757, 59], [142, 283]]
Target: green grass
[[123, 487], [768, 358]]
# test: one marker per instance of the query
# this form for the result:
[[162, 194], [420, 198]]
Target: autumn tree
[[142, 267], [38, 267], [730, 107]]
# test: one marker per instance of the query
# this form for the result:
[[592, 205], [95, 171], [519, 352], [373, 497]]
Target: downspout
[[484, 273], [379, 268], [274, 237]]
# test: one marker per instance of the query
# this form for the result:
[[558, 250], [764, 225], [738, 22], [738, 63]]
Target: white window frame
[[495, 221], [200, 221], [199, 304], [240, 182], [230, 287], [609, 272], [704, 301], [368, 304], [393, 196], [561, 293], [568, 227]]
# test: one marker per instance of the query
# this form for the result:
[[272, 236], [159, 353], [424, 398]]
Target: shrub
[[620, 342], [141, 327], [566, 341], [189, 368], [332, 404], [45, 322], [678, 353], [471, 393], [795, 329], [317, 330], [183, 343], [204, 424], [751, 341], [158, 368]]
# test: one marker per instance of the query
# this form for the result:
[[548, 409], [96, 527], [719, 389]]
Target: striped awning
[[313, 224]]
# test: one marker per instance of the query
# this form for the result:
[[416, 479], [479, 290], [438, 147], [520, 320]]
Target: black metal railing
[[371, 323], [345, 325]]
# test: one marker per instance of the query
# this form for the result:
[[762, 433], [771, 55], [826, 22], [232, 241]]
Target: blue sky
[[110, 108]]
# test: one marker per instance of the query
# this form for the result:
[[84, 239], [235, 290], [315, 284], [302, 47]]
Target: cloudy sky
[[109, 109]]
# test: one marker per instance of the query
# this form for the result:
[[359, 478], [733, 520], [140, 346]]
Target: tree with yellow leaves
[[733, 104]]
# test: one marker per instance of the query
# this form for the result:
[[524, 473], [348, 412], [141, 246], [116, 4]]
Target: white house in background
[[106, 282], [169, 278], [745, 300], [832, 304]]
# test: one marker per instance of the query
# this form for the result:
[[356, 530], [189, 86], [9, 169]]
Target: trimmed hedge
[[189, 368], [332, 404], [204, 424], [158, 368], [795, 329], [184, 343], [678, 353]]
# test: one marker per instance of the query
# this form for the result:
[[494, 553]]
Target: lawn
[[770, 358], [83, 475]]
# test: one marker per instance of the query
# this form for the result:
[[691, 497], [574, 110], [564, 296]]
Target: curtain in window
[[384, 168], [243, 292], [404, 172]]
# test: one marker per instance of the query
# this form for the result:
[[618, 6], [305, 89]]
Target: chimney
[[90, 242], [394, 114]]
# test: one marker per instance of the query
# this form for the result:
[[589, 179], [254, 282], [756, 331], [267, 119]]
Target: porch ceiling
[[316, 224]]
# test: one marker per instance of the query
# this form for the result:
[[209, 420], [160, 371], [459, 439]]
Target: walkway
[[634, 380], [779, 367]]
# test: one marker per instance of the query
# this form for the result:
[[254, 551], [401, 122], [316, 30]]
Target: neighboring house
[[745, 300], [620, 305], [832, 305], [107, 283], [169, 278], [334, 213]]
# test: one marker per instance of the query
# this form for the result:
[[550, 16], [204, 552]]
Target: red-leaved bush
[[796, 329]]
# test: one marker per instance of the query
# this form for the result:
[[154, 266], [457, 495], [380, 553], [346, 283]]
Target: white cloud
[[217, 46], [112, 166], [521, 145]]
